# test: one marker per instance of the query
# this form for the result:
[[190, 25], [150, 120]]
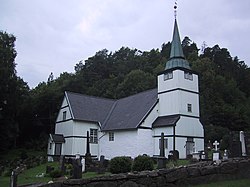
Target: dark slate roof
[[163, 121], [129, 112], [125, 113], [89, 108], [58, 138]]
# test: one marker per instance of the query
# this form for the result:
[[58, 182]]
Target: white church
[[133, 125]]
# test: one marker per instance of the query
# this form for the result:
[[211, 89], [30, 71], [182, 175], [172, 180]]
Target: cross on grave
[[162, 158], [216, 144]]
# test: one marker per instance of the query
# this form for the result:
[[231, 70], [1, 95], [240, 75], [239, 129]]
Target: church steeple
[[177, 58]]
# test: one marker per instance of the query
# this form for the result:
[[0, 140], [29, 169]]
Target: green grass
[[94, 174], [177, 163], [29, 175], [233, 183]]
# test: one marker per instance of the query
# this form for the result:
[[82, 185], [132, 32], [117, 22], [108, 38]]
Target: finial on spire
[[175, 9]]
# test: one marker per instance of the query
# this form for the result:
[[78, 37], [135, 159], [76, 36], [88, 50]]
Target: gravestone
[[225, 155], [235, 145], [77, 169], [243, 144], [209, 145], [216, 154], [13, 179], [88, 159], [247, 140], [202, 155], [62, 164], [83, 164], [162, 158], [101, 168], [49, 169]]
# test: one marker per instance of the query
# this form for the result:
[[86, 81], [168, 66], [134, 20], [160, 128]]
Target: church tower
[[178, 107], [178, 84]]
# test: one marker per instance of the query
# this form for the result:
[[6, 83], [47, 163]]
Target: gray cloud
[[52, 36]]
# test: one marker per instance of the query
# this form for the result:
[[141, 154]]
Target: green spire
[[177, 58]]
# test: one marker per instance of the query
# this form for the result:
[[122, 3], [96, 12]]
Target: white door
[[189, 146]]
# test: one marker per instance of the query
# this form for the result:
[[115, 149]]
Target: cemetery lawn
[[29, 176], [231, 183], [88, 175]]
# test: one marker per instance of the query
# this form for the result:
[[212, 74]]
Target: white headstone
[[78, 156], [203, 155], [216, 144], [225, 155], [50, 159], [216, 156], [243, 144], [83, 164]]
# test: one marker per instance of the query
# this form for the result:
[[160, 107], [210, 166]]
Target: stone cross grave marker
[[216, 154], [88, 159], [216, 144], [162, 158], [62, 164]]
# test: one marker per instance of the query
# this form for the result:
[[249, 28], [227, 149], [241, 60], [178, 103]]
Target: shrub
[[120, 164], [7, 173], [142, 163], [55, 173], [23, 155]]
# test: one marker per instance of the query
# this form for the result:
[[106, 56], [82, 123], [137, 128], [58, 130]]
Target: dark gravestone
[[101, 168], [62, 164], [49, 169], [247, 141], [235, 149], [162, 159], [234, 144], [88, 159], [77, 169], [13, 179]]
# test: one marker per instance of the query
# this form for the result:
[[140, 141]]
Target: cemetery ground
[[34, 173]]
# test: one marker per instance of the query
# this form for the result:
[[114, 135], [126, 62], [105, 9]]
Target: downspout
[[174, 139]]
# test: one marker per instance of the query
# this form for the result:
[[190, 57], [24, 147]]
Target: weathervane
[[175, 9]]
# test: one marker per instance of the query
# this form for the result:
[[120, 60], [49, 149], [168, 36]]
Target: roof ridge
[[86, 95], [137, 93]]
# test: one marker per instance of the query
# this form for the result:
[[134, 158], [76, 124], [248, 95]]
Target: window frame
[[111, 136], [64, 117], [168, 75], [189, 107], [93, 136], [188, 76]]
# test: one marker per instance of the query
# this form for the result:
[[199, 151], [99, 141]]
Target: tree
[[13, 92], [136, 81]]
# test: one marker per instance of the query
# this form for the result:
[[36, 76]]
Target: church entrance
[[58, 149], [189, 146]]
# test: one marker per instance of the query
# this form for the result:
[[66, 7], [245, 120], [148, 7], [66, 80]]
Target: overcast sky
[[54, 35]]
